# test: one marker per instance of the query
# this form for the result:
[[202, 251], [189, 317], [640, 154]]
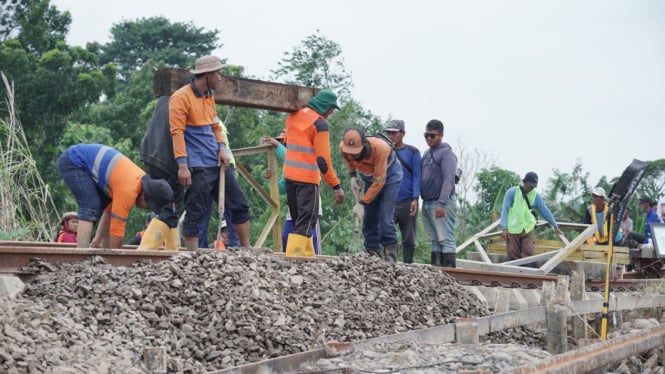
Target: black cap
[[156, 192], [530, 179], [648, 200]]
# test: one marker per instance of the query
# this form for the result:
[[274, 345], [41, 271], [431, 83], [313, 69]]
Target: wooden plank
[[241, 92], [603, 248]]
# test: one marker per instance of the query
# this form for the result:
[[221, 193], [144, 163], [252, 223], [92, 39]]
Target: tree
[[567, 194], [134, 43], [36, 24], [138, 48], [316, 62], [490, 189], [52, 79]]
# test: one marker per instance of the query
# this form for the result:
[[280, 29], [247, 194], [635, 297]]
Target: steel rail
[[599, 354], [14, 256]]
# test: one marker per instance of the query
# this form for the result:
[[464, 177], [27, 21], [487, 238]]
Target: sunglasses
[[391, 132], [431, 135]]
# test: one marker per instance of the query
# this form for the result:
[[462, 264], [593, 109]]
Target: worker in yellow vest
[[597, 214], [518, 218]]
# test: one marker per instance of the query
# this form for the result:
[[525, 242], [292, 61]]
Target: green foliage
[[568, 194], [316, 62], [133, 43], [35, 23], [490, 189]]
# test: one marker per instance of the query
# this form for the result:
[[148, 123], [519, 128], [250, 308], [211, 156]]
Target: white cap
[[599, 191]]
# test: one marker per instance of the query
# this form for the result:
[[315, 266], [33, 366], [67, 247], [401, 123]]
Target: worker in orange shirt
[[106, 185], [307, 159], [373, 160]]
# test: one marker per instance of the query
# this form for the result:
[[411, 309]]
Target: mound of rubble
[[213, 310]]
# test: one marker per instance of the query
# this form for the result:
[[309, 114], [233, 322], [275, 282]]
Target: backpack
[[383, 137]]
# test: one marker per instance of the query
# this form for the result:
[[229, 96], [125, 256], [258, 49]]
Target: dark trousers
[[378, 225], [633, 239], [168, 216], [236, 209], [519, 245], [204, 182], [407, 228], [303, 201]]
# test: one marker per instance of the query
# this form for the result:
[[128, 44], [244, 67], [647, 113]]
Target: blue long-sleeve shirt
[[410, 187], [651, 217], [538, 204]]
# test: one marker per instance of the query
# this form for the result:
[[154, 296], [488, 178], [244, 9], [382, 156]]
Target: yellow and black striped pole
[[608, 270]]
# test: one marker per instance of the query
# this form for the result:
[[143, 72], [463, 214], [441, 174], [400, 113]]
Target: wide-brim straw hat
[[207, 64]]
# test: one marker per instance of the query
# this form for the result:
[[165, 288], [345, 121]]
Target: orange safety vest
[[304, 145], [599, 237]]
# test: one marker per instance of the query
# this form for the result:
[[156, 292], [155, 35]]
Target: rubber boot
[[155, 235], [378, 252], [437, 259], [407, 255], [309, 249], [299, 245], [449, 260], [192, 244], [391, 252], [172, 241]]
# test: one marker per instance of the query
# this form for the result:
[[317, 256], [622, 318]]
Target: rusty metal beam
[[242, 92], [14, 258]]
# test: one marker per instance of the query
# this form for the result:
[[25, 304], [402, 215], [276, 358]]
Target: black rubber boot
[[407, 255], [378, 252], [391, 252], [437, 259], [449, 260]]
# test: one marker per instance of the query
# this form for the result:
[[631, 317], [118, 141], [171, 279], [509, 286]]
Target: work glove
[[358, 210]]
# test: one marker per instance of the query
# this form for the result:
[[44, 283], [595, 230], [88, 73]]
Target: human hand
[[184, 175], [223, 157], [268, 173], [358, 211], [413, 210], [439, 212], [557, 231], [339, 196], [504, 233], [272, 141]]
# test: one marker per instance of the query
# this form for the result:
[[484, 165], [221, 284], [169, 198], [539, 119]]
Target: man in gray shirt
[[437, 189]]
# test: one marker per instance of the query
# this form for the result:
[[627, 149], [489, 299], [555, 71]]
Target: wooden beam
[[241, 92]]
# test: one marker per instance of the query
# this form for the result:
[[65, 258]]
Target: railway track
[[15, 256]]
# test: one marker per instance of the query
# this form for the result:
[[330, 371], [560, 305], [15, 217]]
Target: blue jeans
[[91, 199], [441, 231], [378, 221]]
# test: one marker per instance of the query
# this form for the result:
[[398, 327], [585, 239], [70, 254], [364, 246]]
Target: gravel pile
[[213, 310]]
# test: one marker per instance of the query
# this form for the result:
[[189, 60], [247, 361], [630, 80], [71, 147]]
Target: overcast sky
[[537, 84]]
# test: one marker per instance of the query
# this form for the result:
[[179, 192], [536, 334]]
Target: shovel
[[219, 244]]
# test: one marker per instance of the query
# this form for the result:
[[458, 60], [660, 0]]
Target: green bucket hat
[[323, 101]]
